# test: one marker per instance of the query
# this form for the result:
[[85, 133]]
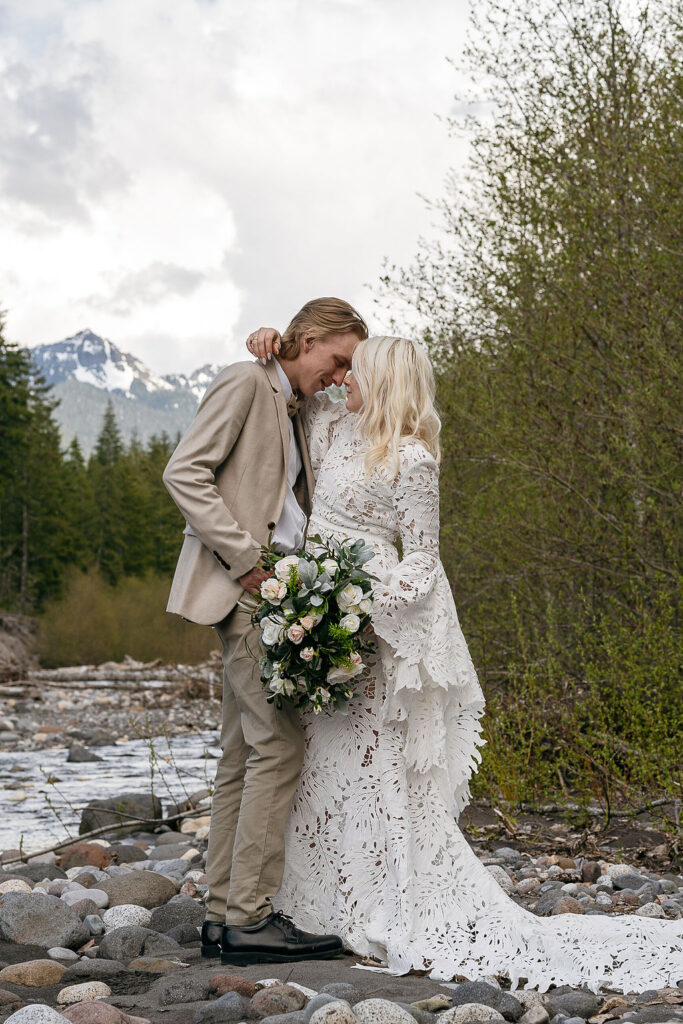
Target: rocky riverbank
[[112, 702], [107, 931], [67, 734]]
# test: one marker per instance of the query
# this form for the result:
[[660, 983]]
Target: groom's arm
[[190, 476]]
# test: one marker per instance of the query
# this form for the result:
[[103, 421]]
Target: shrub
[[94, 622]]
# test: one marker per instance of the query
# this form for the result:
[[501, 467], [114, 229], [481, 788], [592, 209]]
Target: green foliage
[[609, 733], [34, 545], [553, 312], [57, 512], [94, 622], [91, 546]]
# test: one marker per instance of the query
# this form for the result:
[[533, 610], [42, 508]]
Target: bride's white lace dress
[[373, 850]]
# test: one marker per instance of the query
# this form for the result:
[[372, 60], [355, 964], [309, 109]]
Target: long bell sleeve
[[433, 693]]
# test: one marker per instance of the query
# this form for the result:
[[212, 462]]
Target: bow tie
[[294, 403]]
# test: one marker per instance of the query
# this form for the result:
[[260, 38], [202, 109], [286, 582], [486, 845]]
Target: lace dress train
[[373, 849]]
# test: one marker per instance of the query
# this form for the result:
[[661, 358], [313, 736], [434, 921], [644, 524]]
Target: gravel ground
[[120, 915]]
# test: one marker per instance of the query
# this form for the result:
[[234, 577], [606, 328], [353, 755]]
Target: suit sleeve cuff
[[241, 564]]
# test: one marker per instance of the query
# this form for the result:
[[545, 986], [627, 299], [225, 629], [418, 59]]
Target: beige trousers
[[256, 779]]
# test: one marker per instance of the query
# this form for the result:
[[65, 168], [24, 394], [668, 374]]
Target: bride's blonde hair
[[396, 383]]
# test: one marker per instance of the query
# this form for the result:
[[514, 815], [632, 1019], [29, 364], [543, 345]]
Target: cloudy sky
[[173, 174]]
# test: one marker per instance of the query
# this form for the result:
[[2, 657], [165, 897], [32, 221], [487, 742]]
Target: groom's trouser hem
[[256, 780]]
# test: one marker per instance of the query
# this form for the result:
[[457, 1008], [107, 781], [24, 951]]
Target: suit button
[[271, 526], [224, 564]]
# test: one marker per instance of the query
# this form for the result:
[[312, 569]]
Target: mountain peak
[[87, 370], [91, 359]]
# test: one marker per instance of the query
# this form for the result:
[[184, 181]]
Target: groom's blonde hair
[[396, 382], [318, 318]]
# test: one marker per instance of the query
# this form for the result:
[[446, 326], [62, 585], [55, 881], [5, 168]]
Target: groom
[[235, 485]]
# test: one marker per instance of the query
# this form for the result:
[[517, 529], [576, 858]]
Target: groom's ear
[[307, 342]]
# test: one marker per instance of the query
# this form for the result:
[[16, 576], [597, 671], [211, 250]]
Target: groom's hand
[[264, 343], [253, 579]]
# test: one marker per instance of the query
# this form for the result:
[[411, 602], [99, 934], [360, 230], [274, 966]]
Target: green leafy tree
[[553, 312]]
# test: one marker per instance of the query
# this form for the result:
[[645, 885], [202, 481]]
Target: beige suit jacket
[[228, 477]]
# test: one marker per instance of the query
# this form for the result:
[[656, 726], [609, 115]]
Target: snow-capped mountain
[[86, 371], [197, 382], [90, 359]]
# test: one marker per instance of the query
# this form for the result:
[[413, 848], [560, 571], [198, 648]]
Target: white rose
[[365, 606], [341, 673], [296, 633], [272, 630], [289, 687], [307, 654], [282, 567], [307, 621], [273, 590], [330, 566], [349, 597], [282, 686], [351, 623]]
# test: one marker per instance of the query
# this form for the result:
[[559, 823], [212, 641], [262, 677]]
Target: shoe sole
[[211, 950], [240, 959]]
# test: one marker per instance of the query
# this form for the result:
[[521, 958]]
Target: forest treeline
[[87, 545], [553, 307], [553, 310]]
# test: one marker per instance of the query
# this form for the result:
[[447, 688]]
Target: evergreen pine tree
[[34, 541], [105, 472]]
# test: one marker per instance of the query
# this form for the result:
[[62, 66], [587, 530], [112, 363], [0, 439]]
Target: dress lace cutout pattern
[[373, 849]]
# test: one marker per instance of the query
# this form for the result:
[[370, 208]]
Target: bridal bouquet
[[311, 615]]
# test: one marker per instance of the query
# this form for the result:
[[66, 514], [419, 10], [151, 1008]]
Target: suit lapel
[[283, 417], [305, 458], [281, 407]]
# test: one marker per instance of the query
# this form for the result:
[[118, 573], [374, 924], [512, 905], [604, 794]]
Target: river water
[[53, 791]]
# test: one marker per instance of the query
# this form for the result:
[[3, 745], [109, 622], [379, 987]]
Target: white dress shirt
[[290, 531]]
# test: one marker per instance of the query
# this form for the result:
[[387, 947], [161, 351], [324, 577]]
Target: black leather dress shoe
[[212, 932], [276, 939]]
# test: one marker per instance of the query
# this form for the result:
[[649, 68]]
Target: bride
[[373, 849]]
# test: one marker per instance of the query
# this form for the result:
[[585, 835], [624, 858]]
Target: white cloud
[[175, 174]]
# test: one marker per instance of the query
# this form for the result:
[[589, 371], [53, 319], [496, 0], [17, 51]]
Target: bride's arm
[[320, 414], [432, 691], [404, 590], [414, 611], [264, 343]]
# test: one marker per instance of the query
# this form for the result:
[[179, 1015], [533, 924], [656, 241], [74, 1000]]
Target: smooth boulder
[[37, 919], [34, 973], [178, 910], [36, 1013], [115, 810], [87, 991], [381, 1011], [143, 888]]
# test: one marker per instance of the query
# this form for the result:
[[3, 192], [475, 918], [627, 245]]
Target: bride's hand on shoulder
[[264, 343]]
